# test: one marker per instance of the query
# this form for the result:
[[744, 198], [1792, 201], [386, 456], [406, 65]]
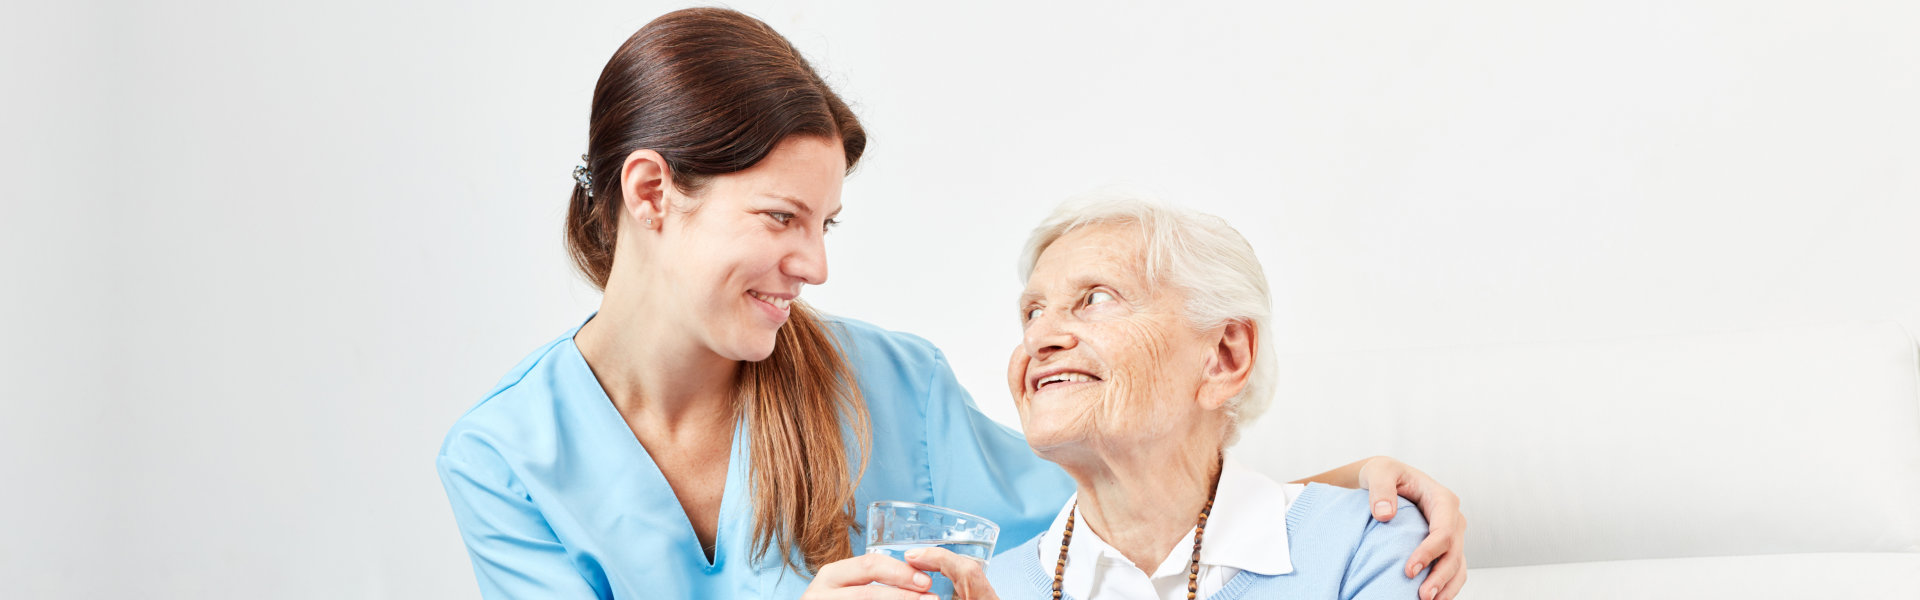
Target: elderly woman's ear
[[1229, 364]]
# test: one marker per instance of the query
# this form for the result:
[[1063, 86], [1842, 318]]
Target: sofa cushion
[[1783, 576]]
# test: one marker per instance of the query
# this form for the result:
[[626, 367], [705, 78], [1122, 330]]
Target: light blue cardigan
[[1338, 551]]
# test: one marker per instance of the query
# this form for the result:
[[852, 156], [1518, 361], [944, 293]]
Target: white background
[[258, 257]]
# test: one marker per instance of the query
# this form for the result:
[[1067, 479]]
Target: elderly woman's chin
[[1062, 432], [1052, 426]]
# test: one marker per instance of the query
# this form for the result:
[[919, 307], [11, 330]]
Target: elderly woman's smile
[[1106, 357], [1057, 379], [1138, 362]]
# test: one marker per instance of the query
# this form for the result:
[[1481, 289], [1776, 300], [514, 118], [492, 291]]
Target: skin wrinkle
[[1152, 310], [1143, 441]]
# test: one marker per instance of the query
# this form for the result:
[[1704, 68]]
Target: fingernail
[[1416, 568], [1430, 593], [915, 553], [1380, 508], [922, 581]]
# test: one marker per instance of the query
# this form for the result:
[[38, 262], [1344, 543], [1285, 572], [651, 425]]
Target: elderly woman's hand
[[1445, 547], [969, 575]]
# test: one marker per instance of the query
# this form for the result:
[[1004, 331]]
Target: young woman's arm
[[1445, 547]]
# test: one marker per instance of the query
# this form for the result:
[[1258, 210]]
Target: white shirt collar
[[1247, 530]]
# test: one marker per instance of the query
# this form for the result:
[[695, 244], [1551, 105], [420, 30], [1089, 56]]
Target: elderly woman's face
[[1108, 357]]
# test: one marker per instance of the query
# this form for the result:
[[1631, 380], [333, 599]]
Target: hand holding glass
[[894, 528]]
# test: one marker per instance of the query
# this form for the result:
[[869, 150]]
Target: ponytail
[[589, 239], [796, 403]]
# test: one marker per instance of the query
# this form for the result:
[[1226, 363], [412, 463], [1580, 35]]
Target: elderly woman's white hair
[[1198, 253]]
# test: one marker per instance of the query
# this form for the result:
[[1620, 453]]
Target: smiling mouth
[[1063, 378], [780, 303]]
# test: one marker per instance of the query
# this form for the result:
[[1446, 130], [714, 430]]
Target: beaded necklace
[[1193, 564]]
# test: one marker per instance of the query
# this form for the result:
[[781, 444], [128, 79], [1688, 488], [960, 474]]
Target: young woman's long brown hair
[[713, 91]]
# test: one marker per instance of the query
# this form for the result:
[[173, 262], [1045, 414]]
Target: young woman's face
[[753, 241]]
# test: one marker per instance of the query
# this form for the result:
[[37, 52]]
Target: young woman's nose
[[808, 262]]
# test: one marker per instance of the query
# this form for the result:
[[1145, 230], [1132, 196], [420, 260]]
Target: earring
[[649, 222]]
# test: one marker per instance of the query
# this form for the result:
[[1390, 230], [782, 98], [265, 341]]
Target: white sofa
[[1781, 463]]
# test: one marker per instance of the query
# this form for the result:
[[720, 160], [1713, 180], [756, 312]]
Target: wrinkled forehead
[[1104, 253]]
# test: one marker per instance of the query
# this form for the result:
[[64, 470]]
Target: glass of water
[[893, 528]]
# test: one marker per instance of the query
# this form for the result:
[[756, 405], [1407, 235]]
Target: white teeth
[[1064, 378], [780, 303]]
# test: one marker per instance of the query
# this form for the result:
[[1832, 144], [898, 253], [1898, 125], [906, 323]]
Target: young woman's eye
[[1033, 313], [782, 217], [1098, 297]]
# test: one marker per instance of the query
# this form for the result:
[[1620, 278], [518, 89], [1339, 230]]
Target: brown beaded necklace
[[1193, 564]]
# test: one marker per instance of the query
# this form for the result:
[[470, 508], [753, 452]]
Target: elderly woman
[[1141, 361]]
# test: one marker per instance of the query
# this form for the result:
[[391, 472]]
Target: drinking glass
[[893, 528]]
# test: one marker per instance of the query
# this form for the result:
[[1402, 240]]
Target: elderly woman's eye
[[1098, 297], [782, 217], [1033, 313]]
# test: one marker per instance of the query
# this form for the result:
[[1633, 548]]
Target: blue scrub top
[[557, 499]]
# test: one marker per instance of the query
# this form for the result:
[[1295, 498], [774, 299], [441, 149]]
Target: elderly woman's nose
[[1045, 335]]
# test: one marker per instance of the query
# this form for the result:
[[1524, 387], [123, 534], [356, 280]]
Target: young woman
[[705, 434]]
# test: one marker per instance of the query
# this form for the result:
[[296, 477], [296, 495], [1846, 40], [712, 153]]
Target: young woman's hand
[[1445, 548], [853, 578]]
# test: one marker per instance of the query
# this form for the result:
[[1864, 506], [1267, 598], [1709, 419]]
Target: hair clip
[[583, 177]]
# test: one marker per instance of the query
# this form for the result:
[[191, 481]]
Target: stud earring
[[649, 222]]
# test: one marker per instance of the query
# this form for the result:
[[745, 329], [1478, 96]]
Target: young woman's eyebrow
[[799, 208]]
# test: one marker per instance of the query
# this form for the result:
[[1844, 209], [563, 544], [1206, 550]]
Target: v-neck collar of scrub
[[605, 421]]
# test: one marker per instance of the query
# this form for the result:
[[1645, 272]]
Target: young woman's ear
[[645, 179], [1229, 364]]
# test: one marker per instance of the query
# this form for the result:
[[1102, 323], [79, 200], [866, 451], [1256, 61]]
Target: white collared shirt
[[1246, 531]]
